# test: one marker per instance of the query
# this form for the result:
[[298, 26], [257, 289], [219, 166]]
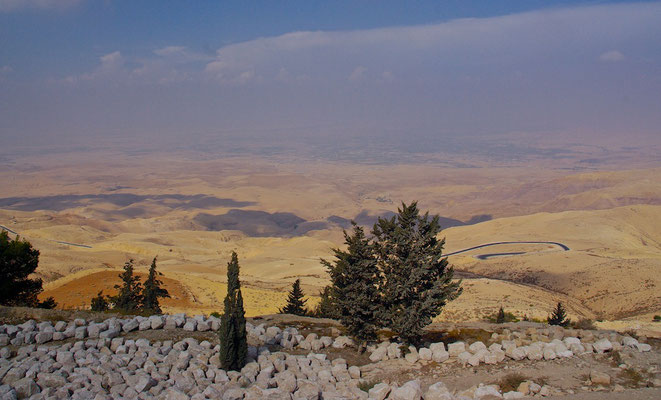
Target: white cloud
[[358, 73], [17, 5], [612, 56]]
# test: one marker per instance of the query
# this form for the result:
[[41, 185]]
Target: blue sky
[[83, 68]]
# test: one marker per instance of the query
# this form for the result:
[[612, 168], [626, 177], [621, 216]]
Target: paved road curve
[[563, 247], [2, 227]]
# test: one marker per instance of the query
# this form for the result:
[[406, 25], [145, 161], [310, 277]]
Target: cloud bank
[[584, 71]]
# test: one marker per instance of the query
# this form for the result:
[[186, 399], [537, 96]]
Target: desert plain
[[594, 213]]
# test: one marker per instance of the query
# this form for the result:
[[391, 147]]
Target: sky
[[292, 71]]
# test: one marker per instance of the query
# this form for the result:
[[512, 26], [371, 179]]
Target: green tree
[[295, 301], [129, 298], [100, 302], [417, 281], [558, 316], [152, 290], [327, 306], [233, 336], [18, 259], [356, 280]]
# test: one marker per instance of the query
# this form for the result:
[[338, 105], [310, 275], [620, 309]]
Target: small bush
[[502, 317], [631, 377], [657, 318], [216, 314], [365, 386], [584, 323], [511, 382], [100, 303]]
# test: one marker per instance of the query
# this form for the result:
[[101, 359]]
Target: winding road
[[487, 256], [562, 246], [2, 227]]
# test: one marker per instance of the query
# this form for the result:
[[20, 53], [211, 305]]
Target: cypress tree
[[233, 337], [152, 291], [129, 298], [295, 301], [356, 280], [559, 316], [417, 281]]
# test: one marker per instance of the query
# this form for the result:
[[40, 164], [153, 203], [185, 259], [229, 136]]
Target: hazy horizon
[[590, 74]]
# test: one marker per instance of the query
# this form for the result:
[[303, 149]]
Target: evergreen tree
[[100, 302], [500, 318], [18, 259], [129, 298], [559, 316], [417, 281], [152, 291], [233, 336], [356, 280], [295, 301], [327, 307]]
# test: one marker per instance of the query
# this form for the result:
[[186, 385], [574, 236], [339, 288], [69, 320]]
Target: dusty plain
[[88, 211]]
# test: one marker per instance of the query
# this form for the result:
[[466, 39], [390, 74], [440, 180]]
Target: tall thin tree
[[152, 291], [233, 336]]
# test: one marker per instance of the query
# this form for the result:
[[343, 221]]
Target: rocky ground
[[50, 355]]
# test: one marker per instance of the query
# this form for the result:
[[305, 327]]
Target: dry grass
[[510, 382]]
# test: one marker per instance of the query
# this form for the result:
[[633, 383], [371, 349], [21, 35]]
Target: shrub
[[584, 323], [100, 303], [502, 317], [657, 318]]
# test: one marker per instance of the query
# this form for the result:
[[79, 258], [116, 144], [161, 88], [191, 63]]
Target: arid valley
[[598, 213]]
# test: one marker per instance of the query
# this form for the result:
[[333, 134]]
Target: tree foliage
[[558, 316], [397, 279], [18, 259], [152, 291], [417, 281], [129, 298], [100, 302], [295, 301], [327, 306], [233, 336], [356, 278]]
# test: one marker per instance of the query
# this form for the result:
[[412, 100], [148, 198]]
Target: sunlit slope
[[612, 268]]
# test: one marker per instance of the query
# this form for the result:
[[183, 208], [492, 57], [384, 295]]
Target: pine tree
[[233, 336], [295, 301], [559, 316], [417, 281], [327, 307], [500, 318], [356, 280], [100, 302], [17, 261], [129, 298], [152, 291]]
